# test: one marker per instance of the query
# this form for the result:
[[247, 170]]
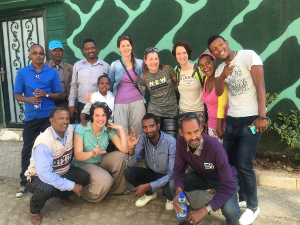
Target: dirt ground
[[114, 210]]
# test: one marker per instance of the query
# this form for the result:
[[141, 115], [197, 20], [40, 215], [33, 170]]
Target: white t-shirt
[[190, 90], [109, 99], [241, 90]]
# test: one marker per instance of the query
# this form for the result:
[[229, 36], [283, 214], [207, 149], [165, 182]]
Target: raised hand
[[114, 126], [88, 96], [96, 151], [227, 71], [131, 138]]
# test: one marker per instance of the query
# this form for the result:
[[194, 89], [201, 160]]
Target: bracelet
[[263, 117]]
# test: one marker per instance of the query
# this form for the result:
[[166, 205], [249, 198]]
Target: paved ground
[[278, 206]]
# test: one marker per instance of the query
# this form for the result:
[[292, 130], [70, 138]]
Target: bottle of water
[[182, 202], [39, 105]]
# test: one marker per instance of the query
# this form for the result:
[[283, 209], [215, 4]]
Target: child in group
[[217, 107], [103, 95]]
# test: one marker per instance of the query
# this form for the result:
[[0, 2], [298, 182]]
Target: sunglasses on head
[[185, 115], [123, 36], [151, 49], [100, 104]]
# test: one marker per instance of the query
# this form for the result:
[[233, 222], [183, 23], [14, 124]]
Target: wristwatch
[[209, 209], [47, 94]]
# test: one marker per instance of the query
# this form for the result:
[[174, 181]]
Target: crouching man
[[159, 149], [50, 172], [207, 157]]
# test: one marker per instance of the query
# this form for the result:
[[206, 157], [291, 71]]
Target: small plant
[[271, 98], [290, 129]]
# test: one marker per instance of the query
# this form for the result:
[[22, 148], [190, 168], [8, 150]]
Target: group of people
[[211, 109]]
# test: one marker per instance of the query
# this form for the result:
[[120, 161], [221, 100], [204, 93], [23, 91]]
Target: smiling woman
[[90, 144]]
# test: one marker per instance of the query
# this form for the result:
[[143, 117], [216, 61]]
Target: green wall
[[269, 27]]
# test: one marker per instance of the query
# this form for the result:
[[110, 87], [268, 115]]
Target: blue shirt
[[117, 70], [28, 80], [159, 158], [43, 161], [90, 141]]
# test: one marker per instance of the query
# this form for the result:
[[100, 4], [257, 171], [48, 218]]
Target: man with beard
[[64, 70], [41, 88], [159, 149], [208, 159], [85, 76], [50, 171]]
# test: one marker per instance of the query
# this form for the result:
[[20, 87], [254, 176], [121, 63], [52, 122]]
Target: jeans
[[138, 175], [194, 181], [32, 130], [241, 146]]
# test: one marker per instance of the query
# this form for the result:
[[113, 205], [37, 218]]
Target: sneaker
[[243, 204], [145, 199], [248, 216], [169, 205], [21, 192]]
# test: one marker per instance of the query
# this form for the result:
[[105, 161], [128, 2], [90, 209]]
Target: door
[[19, 31]]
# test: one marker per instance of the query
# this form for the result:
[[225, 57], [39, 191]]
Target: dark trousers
[[241, 147], [32, 129], [42, 191], [138, 175], [194, 181]]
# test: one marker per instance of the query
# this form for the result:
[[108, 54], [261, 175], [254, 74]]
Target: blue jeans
[[241, 146], [194, 181]]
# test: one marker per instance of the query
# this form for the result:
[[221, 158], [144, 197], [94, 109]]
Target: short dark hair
[[188, 118], [150, 116], [53, 111], [104, 75], [88, 40], [212, 38], [36, 45], [106, 109], [183, 44]]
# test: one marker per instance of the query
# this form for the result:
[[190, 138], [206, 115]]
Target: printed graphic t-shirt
[[163, 101], [241, 90], [190, 90]]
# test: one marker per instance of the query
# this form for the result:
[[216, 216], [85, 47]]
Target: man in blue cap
[[38, 86], [64, 70]]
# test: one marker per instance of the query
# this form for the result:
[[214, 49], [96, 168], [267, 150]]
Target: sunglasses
[[189, 114], [123, 36], [100, 104], [37, 53], [151, 49]]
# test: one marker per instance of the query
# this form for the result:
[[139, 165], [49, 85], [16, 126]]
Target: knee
[[230, 210], [128, 173]]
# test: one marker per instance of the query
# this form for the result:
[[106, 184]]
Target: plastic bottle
[[182, 203], [39, 104]]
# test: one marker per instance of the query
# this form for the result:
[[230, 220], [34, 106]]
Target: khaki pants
[[105, 177]]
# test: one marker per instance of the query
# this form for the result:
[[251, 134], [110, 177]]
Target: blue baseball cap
[[55, 44]]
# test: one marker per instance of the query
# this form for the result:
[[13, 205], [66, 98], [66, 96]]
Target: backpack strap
[[173, 82], [177, 72], [197, 73], [145, 78]]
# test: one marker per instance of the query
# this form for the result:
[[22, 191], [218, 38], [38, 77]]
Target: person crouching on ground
[[211, 170], [159, 149], [50, 171]]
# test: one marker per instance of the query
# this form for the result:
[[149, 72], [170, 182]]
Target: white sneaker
[[21, 192], [248, 216], [145, 199], [169, 205], [243, 204]]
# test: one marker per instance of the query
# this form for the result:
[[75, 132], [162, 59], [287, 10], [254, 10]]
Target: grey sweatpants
[[130, 115]]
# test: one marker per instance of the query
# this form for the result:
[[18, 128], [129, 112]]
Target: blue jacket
[[116, 72]]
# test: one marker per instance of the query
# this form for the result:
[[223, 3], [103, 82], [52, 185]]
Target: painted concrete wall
[[269, 27]]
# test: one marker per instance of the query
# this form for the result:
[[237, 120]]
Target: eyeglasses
[[189, 114], [37, 53], [100, 104], [151, 49], [123, 36]]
